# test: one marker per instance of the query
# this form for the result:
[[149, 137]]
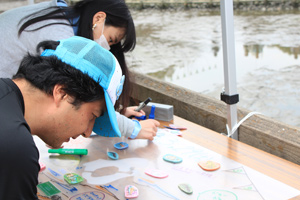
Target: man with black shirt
[[55, 96]]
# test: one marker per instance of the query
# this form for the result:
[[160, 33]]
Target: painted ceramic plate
[[186, 188], [131, 192], [209, 165], [121, 145], [172, 158], [113, 155], [156, 173]]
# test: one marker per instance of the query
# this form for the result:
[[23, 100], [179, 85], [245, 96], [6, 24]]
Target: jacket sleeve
[[127, 126]]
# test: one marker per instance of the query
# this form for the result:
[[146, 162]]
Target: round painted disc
[[186, 188], [113, 155], [121, 145], [209, 165], [172, 158], [156, 173]]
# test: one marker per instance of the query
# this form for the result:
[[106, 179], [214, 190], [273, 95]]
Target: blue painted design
[[54, 173], [110, 186], [95, 195], [158, 188], [67, 187], [87, 196], [120, 87]]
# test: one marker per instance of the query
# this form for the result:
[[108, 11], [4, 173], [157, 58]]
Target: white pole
[[30, 2], [229, 61]]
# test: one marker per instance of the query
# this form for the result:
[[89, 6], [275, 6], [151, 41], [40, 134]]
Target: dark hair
[[117, 15], [45, 72]]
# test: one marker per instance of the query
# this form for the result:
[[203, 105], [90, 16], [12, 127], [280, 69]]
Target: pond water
[[184, 47]]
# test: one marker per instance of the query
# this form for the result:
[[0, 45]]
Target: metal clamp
[[233, 99]]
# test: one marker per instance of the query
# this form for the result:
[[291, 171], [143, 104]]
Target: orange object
[[209, 165]]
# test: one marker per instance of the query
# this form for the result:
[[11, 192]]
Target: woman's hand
[[129, 111], [149, 129]]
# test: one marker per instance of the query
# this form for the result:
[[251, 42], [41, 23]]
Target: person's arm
[[148, 129], [145, 129]]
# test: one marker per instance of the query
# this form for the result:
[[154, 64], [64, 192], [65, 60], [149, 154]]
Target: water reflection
[[257, 49], [295, 51], [185, 48], [253, 49]]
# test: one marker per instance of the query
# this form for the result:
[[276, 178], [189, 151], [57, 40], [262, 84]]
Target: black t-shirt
[[19, 156]]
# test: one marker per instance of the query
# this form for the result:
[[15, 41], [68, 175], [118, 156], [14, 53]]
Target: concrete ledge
[[258, 131]]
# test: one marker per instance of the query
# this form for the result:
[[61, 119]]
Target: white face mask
[[102, 40]]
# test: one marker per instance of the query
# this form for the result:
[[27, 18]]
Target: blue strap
[[74, 21], [62, 3]]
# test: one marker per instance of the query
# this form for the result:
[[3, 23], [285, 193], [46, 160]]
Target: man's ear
[[59, 94], [99, 17]]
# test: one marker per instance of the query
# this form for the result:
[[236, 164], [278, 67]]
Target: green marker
[[69, 151]]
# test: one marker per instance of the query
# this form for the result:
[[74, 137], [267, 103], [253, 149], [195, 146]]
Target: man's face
[[69, 121]]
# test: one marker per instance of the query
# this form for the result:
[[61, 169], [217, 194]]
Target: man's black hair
[[45, 72]]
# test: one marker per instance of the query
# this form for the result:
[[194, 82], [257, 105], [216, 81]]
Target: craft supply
[[113, 155], [121, 145], [48, 188], [131, 192], [186, 188], [73, 178], [69, 151], [172, 158], [140, 107], [209, 165], [156, 173], [152, 112], [168, 127], [163, 112], [143, 104], [42, 166], [143, 117], [177, 127]]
